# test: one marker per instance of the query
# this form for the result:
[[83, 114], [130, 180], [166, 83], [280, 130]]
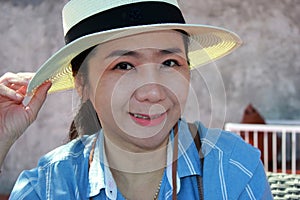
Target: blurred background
[[265, 71]]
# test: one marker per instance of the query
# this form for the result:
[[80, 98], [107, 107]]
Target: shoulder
[[229, 144], [65, 166], [236, 156], [239, 163], [76, 149], [229, 159]]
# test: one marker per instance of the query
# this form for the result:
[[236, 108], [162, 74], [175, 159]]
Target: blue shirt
[[232, 170]]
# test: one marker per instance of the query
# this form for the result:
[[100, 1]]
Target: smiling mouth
[[148, 120], [147, 117]]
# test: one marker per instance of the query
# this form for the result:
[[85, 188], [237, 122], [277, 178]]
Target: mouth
[[148, 120]]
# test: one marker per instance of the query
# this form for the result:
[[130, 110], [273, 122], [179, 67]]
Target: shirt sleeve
[[246, 177], [258, 186], [60, 174], [28, 185]]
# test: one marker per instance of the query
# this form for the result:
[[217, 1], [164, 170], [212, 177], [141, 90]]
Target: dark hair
[[86, 120], [78, 61]]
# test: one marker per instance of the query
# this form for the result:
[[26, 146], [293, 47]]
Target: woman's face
[[138, 86]]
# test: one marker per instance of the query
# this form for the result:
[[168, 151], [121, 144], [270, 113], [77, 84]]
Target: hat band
[[143, 13]]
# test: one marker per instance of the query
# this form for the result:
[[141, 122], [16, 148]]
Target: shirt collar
[[100, 176], [188, 157], [96, 174]]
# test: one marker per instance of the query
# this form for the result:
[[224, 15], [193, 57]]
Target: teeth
[[146, 117], [140, 116]]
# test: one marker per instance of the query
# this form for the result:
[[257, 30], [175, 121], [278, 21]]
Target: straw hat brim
[[208, 44]]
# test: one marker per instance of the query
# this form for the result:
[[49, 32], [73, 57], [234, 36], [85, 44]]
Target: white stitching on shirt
[[48, 183], [221, 172], [186, 158], [77, 193], [28, 191], [168, 194], [241, 167], [250, 193], [221, 175]]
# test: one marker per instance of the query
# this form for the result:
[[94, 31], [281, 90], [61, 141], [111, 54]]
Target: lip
[[148, 120]]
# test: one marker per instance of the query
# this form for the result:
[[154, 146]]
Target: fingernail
[[19, 96], [49, 83]]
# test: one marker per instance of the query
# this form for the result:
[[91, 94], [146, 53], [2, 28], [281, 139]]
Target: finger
[[10, 93], [22, 90], [16, 87], [26, 75], [17, 79], [37, 101]]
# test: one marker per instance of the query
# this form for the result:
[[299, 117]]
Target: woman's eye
[[171, 63], [124, 66]]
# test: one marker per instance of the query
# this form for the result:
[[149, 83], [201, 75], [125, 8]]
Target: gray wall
[[264, 71]]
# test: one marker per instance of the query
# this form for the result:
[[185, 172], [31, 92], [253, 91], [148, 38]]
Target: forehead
[[150, 40]]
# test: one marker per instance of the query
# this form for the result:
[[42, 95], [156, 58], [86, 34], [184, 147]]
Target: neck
[[136, 173], [133, 186], [135, 162]]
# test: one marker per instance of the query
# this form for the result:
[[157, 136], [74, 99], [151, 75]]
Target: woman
[[132, 74]]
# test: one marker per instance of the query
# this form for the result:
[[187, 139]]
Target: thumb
[[37, 101]]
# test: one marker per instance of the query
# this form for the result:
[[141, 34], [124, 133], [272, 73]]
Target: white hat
[[87, 23]]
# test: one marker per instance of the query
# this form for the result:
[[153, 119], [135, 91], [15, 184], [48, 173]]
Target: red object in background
[[252, 116], [3, 197]]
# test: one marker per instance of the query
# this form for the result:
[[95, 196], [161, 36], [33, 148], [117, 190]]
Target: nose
[[151, 92]]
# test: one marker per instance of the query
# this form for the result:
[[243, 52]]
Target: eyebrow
[[171, 51], [119, 53]]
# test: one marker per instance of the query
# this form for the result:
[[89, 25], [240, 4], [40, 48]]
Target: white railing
[[286, 136]]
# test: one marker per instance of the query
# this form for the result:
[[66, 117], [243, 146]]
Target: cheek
[[111, 92], [100, 91], [178, 84]]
